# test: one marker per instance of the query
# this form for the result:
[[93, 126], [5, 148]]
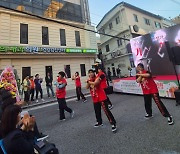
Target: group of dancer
[[97, 83]]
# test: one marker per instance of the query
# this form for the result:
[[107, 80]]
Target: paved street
[[135, 134]]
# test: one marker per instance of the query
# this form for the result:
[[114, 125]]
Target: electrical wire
[[63, 23]]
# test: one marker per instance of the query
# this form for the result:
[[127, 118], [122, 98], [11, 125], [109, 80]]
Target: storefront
[[32, 60]]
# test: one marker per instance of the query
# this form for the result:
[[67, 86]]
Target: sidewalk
[[70, 94]]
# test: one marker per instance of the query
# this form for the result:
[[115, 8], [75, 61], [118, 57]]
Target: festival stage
[[166, 84]]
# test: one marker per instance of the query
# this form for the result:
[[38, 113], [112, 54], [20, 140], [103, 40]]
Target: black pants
[[62, 107], [159, 103], [37, 92], [32, 94], [79, 93], [108, 100], [109, 77], [97, 108], [26, 96]]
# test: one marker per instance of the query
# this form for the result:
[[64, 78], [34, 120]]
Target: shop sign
[[89, 50], [44, 50], [36, 50], [73, 50], [11, 49]]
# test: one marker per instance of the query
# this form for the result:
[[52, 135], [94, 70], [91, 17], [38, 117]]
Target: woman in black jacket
[[6, 99], [17, 140]]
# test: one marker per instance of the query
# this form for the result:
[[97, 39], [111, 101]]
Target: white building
[[124, 21]]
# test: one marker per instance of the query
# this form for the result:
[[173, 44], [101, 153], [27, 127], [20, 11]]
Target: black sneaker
[[170, 120], [84, 101], [98, 125], [72, 114], [62, 119], [110, 107], [148, 116], [42, 137], [114, 128]]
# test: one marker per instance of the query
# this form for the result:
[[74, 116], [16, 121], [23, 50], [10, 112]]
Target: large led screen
[[151, 50]]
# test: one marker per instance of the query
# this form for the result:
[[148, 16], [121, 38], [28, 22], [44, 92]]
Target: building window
[[107, 48], [26, 71], [83, 69], [135, 17], [67, 70], [119, 42], [45, 36], [78, 39], [63, 37], [117, 20], [48, 69], [157, 24], [23, 33], [110, 25], [147, 21]]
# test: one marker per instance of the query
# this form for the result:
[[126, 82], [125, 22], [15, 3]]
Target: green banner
[[34, 49]]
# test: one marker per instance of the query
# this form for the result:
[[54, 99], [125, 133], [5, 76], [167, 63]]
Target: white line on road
[[49, 104]]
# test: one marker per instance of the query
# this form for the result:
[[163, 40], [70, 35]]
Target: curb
[[48, 102]]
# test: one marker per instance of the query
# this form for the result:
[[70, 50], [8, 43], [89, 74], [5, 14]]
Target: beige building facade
[[124, 21], [67, 48]]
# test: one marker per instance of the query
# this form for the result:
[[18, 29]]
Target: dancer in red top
[[150, 91], [79, 93], [61, 95], [103, 83], [99, 99]]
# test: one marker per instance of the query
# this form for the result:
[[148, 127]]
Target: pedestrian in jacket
[[32, 88], [49, 85], [26, 87], [38, 82]]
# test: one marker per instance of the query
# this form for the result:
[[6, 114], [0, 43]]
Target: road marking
[[50, 104]]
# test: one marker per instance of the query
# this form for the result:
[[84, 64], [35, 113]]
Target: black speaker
[[169, 51], [177, 96], [176, 54]]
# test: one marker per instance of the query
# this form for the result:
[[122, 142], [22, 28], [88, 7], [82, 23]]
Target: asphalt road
[[135, 134]]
